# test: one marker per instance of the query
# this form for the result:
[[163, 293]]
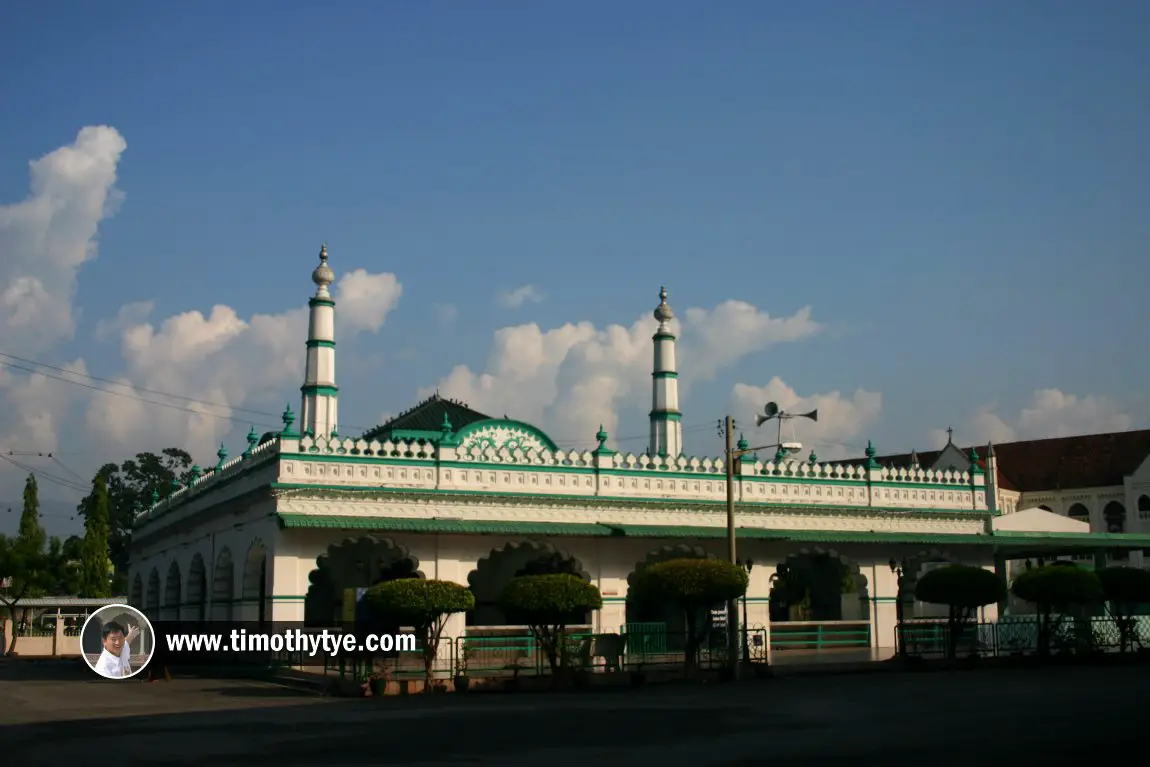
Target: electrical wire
[[71, 485]]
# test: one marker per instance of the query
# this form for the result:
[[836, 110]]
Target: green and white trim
[[319, 413], [666, 420]]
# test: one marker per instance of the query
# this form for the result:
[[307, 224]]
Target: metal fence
[[1020, 636], [636, 646]]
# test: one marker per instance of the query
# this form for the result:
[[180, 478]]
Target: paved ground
[[1025, 717]]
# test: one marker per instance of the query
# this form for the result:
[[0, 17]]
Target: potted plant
[[462, 680], [376, 682]]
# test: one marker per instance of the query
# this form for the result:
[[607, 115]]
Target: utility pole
[[732, 552], [771, 411]]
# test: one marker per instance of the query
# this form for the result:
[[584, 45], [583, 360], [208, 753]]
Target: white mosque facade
[[283, 531]]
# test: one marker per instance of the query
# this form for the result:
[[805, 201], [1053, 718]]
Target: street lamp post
[[747, 565], [900, 636], [771, 412]]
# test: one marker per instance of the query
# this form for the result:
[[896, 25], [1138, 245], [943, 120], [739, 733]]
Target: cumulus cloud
[[217, 357], [223, 359], [1050, 413], [365, 299], [128, 315], [36, 407], [843, 419], [526, 294], [46, 238], [577, 374]]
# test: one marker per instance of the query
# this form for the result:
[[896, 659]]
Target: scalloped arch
[[472, 430], [861, 581], [332, 554], [195, 592], [350, 563], [533, 548], [254, 569], [666, 554], [172, 586], [152, 596], [137, 597]]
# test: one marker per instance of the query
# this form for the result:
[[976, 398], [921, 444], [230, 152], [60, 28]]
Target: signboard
[[719, 617]]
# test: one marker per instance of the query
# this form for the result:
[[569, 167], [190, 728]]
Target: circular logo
[[117, 641]]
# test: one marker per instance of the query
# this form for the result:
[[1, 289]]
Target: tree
[[130, 487], [1125, 590], [694, 586], [423, 604], [546, 603], [62, 566], [1056, 589], [31, 536], [94, 561], [23, 559], [963, 589]]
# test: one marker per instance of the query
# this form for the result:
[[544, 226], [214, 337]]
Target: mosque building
[[291, 527]]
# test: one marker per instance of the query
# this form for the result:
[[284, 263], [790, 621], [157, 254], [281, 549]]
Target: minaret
[[318, 414], [666, 420], [991, 479]]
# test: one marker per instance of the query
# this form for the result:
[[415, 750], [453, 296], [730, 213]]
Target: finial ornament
[[323, 275], [663, 312]]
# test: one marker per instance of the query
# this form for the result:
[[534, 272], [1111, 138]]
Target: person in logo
[[115, 660]]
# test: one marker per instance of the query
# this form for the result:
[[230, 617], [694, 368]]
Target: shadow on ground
[[960, 718], [50, 669], [262, 691]]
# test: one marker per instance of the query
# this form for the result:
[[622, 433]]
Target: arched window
[[1079, 512], [1144, 507], [1044, 507], [1115, 515]]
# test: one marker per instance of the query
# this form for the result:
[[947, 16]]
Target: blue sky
[[957, 190]]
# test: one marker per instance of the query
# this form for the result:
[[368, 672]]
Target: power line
[[137, 388], [138, 399], [157, 392], [51, 478]]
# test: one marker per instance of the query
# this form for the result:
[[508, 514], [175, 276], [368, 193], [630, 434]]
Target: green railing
[[1019, 636], [506, 655], [645, 638], [815, 635]]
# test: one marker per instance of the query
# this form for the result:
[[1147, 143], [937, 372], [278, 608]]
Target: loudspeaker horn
[[813, 415]]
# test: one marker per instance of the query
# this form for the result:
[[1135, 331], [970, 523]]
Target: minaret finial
[[663, 312], [323, 275]]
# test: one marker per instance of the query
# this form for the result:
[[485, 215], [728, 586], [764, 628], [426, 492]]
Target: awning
[[1015, 543]]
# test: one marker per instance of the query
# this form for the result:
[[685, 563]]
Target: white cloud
[[446, 313], [841, 424], [45, 239], [1050, 413], [513, 299], [36, 408], [129, 315], [216, 357], [571, 378], [226, 360], [364, 299]]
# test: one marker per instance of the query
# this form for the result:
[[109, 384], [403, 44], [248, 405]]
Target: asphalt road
[[1072, 716]]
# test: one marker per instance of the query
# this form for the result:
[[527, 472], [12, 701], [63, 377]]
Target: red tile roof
[[1090, 460]]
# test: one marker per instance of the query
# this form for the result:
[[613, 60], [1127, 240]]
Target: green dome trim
[[515, 429]]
